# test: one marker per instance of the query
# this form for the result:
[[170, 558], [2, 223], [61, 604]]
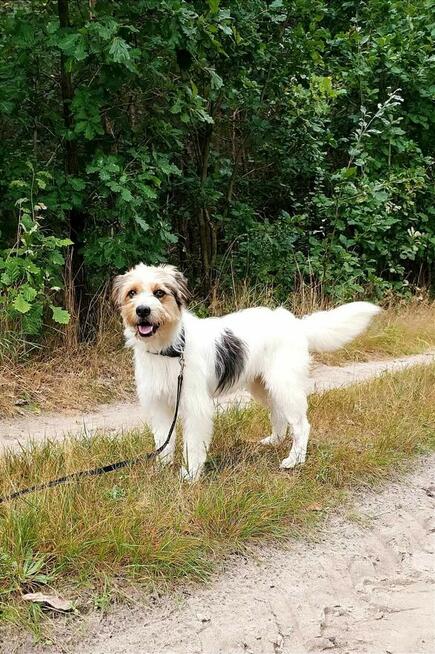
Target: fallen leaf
[[52, 601]]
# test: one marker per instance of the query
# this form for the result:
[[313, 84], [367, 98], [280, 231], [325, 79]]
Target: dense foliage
[[281, 141]]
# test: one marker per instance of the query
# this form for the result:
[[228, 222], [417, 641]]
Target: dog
[[266, 351]]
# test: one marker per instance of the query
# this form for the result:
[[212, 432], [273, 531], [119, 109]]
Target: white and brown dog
[[262, 350]]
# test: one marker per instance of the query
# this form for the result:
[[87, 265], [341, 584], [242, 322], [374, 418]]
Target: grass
[[81, 377], [145, 528], [68, 378], [397, 331]]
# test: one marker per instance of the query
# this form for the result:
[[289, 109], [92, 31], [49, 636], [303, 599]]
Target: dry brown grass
[[84, 376], [144, 527], [62, 379]]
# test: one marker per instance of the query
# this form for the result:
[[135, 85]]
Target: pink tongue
[[145, 329]]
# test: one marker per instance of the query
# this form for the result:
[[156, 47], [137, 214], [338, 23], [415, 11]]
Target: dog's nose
[[143, 311]]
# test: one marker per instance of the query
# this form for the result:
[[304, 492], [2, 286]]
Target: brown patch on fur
[[128, 313], [259, 391], [118, 289]]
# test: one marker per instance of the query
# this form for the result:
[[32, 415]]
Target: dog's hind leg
[[290, 401], [279, 423], [298, 452], [279, 427]]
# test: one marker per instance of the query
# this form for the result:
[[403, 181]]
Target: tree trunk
[[75, 270], [207, 231]]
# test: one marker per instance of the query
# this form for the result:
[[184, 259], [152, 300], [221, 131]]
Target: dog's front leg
[[160, 415], [197, 417]]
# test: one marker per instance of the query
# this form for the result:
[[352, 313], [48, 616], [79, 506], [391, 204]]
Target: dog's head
[[151, 299]]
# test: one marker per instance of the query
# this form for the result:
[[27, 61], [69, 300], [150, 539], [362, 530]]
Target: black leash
[[110, 467]]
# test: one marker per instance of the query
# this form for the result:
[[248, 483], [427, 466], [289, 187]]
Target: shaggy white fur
[[262, 350]]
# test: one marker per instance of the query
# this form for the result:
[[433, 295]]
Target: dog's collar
[[176, 350]]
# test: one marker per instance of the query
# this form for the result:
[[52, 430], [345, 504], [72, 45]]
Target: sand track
[[365, 585], [15, 432]]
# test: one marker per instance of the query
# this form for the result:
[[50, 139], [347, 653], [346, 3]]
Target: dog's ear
[[117, 286], [178, 284], [182, 288]]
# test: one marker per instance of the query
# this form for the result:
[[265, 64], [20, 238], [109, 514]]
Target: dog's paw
[[189, 475], [271, 440], [293, 460]]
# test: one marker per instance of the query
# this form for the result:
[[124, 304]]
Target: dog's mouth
[[146, 329]]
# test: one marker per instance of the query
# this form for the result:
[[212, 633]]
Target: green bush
[[31, 271], [291, 139]]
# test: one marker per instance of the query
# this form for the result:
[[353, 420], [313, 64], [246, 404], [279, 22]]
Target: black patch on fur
[[183, 293], [230, 359], [180, 292], [177, 299]]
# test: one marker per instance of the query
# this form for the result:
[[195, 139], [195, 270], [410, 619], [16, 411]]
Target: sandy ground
[[365, 584], [124, 416]]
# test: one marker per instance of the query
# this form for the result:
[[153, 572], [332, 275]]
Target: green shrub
[[31, 271], [281, 141]]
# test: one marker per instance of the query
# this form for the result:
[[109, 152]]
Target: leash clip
[[181, 362]]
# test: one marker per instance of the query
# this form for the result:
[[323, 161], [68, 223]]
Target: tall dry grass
[[62, 374]]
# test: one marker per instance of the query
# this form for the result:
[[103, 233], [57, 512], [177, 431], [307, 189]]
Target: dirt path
[[121, 417], [365, 586]]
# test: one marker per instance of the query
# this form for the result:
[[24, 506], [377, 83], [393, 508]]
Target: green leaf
[[148, 192], [77, 183], [120, 50], [106, 28], [216, 80], [204, 116], [226, 29], [214, 5], [28, 293], [73, 45], [20, 304], [60, 315], [141, 222], [126, 195], [57, 258], [52, 27], [5, 279]]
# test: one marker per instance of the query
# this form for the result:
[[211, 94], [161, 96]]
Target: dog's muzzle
[[144, 326]]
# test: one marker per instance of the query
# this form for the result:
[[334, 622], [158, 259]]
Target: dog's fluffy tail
[[327, 331]]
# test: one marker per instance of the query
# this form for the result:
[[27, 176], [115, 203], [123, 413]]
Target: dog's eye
[[131, 293], [159, 293]]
